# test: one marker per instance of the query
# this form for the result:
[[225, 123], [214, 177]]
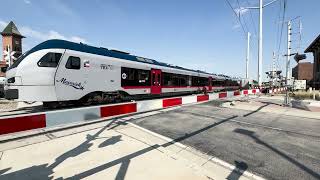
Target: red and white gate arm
[[23, 122]]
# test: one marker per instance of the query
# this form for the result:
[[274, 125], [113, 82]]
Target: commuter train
[[58, 71]]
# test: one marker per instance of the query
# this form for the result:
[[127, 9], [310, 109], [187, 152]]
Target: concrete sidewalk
[[272, 107], [109, 150], [307, 104]]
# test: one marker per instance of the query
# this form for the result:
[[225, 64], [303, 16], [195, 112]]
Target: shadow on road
[[237, 172], [45, 171], [290, 159], [257, 110]]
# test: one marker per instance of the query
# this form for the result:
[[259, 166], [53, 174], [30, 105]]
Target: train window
[[50, 60], [170, 79], [218, 83], [166, 81], [134, 77], [184, 80], [194, 81], [153, 78], [203, 81], [73, 63]]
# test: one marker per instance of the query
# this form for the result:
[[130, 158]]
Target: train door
[[155, 81], [70, 79], [210, 84]]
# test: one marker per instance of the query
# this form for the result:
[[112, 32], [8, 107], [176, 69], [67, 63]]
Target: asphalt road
[[270, 145]]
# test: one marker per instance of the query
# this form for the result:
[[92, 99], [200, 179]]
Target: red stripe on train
[[23, 123], [202, 98], [253, 91], [222, 95], [171, 102], [245, 92], [118, 109]]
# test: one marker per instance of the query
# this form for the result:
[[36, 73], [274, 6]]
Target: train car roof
[[63, 44]]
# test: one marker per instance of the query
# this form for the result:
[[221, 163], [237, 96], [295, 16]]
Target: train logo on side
[[76, 85]]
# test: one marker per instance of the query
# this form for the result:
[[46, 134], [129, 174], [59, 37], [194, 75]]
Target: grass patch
[[305, 95]]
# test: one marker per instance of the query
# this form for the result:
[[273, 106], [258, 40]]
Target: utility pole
[[260, 56], [248, 56], [286, 100], [260, 44]]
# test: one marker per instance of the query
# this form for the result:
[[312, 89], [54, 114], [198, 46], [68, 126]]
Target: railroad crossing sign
[[9, 56]]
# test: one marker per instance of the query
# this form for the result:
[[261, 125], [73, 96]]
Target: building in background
[[11, 38], [314, 48], [303, 71]]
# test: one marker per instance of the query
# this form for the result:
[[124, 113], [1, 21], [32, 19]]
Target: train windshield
[[18, 61]]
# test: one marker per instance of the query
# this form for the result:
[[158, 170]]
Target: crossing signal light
[[298, 57]]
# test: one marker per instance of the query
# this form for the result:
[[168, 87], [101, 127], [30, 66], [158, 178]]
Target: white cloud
[[78, 39], [52, 34], [38, 35], [27, 1]]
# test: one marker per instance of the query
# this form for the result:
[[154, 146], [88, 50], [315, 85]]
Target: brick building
[[303, 71], [11, 38], [314, 48]]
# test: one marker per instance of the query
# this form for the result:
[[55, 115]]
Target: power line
[[277, 23], [282, 25], [253, 23], [240, 9], [238, 17]]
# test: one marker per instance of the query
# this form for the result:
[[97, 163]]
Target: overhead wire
[[238, 17], [283, 4], [278, 24], [252, 21]]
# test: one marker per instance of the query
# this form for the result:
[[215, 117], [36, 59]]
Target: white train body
[[58, 70]]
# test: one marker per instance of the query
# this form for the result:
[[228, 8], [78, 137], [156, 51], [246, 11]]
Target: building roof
[[62, 44], [315, 44], [11, 29]]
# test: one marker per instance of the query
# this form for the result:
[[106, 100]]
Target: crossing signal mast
[[274, 75], [298, 57]]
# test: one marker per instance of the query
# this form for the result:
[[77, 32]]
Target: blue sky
[[201, 34]]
